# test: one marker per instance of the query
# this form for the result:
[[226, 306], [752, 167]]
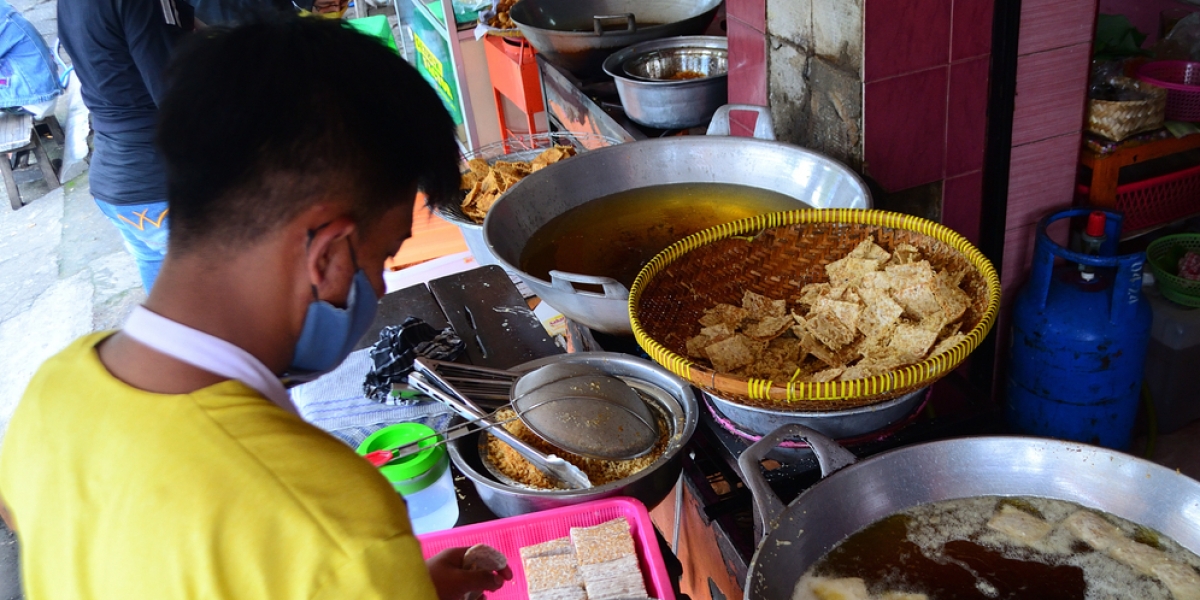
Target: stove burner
[[866, 438]]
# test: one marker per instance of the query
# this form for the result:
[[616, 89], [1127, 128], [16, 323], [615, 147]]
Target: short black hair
[[261, 120]]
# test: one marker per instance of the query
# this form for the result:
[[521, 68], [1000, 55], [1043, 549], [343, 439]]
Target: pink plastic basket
[[511, 534], [1156, 200], [1181, 79]]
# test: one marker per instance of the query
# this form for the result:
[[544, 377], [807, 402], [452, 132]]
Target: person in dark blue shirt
[[120, 50]]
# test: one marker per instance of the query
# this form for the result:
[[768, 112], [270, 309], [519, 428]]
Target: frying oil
[[616, 235], [946, 550]]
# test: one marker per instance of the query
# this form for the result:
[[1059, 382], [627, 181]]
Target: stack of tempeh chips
[[879, 311], [595, 563]]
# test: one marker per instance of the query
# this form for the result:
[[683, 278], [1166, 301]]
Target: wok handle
[[764, 125], [830, 456], [564, 281], [627, 18]]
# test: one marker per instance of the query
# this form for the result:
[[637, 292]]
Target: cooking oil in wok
[[616, 235], [947, 550]]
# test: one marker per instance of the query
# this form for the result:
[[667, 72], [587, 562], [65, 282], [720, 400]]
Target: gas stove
[[716, 546], [592, 107]]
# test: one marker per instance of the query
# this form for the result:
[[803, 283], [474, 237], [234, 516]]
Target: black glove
[[398, 347]]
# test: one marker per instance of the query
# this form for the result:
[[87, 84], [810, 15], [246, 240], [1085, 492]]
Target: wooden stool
[[19, 137]]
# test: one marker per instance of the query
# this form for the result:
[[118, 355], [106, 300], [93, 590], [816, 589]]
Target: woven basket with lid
[[776, 255]]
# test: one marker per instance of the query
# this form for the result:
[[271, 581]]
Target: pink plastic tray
[[511, 534]]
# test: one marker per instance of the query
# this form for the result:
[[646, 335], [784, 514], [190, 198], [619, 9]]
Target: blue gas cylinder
[[1079, 340]]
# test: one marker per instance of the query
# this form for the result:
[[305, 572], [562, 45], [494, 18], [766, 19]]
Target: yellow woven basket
[[776, 255]]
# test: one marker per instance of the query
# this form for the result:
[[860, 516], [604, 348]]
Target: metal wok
[[579, 34], [814, 180], [859, 494]]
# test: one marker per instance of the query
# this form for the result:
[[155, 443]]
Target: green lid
[[394, 436]]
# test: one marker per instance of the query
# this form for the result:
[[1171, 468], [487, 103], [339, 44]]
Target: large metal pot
[[858, 494], [648, 94], [814, 180], [579, 34], [650, 485]]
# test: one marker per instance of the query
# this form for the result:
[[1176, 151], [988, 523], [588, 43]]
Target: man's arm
[[7, 516]]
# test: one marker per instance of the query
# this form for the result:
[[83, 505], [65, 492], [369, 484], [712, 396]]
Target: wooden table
[[1106, 168]]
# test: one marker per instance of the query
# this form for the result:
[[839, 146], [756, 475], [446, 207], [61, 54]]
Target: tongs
[[488, 388], [428, 381]]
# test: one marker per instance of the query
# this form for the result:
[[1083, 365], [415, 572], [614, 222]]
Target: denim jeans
[[144, 230]]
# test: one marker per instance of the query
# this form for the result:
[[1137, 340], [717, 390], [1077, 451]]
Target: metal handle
[[562, 280], [627, 18], [764, 125], [444, 393], [830, 456], [1127, 284]]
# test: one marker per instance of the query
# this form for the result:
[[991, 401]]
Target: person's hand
[[453, 582]]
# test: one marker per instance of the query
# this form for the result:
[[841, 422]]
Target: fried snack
[[878, 312], [501, 20], [484, 183]]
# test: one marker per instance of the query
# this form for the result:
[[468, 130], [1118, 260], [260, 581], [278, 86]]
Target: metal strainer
[[581, 409]]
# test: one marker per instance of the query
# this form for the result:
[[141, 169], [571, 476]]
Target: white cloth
[[206, 352]]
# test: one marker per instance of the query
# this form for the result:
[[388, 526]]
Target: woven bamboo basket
[[1119, 120], [776, 255]]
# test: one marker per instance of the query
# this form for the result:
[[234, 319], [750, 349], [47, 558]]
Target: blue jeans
[[144, 230]]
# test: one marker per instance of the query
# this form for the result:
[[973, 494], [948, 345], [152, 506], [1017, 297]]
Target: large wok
[[579, 34], [858, 494], [813, 179]]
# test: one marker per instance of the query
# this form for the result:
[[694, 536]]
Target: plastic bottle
[[424, 478]]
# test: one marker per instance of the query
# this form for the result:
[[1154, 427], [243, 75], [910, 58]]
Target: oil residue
[[883, 553], [947, 550], [616, 235]]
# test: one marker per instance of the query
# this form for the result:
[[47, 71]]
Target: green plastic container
[[1163, 255], [424, 478]]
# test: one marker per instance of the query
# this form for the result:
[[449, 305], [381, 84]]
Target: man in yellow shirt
[[165, 460]]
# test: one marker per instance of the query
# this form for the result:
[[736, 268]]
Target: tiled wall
[[926, 80], [1053, 61]]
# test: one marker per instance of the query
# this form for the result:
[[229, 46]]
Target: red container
[[1181, 79], [511, 534], [1156, 200]]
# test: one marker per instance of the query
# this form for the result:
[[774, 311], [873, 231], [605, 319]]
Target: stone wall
[[814, 56]]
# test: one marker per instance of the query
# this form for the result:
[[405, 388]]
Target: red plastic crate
[[511, 534], [1156, 200]]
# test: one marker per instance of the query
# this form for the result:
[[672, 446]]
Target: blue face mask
[[330, 333]]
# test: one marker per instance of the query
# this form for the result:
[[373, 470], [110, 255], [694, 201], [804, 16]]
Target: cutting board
[[491, 316], [484, 308]]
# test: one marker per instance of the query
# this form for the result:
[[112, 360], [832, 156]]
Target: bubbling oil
[[616, 235], [946, 550]]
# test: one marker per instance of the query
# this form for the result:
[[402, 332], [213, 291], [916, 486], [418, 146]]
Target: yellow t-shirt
[[124, 494]]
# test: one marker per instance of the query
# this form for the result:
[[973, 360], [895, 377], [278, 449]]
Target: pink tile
[[750, 12], [1018, 255], [1051, 93], [966, 118], [972, 33], [747, 64], [1041, 178], [904, 127], [1047, 24], [962, 199], [902, 36]]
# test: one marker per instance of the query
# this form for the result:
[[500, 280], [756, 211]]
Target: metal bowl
[[649, 485], [651, 98], [678, 64]]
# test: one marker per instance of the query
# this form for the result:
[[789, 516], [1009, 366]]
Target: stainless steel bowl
[[650, 485], [651, 98], [678, 64]]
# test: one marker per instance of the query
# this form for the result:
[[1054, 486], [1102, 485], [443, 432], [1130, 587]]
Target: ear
[[324, 260]]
